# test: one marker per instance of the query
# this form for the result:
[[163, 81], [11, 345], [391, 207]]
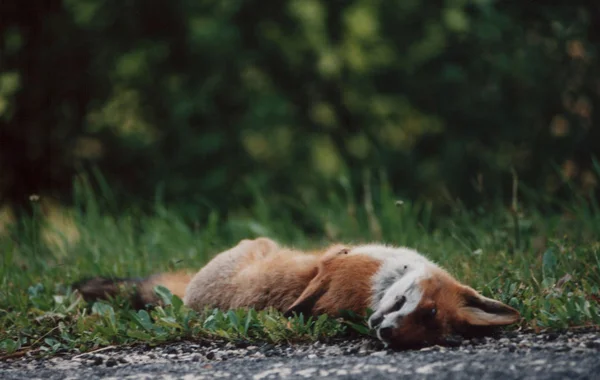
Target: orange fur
[[259, 273], [449, 299], [444, 294], [255, 273], [176, 282], [335, 278]]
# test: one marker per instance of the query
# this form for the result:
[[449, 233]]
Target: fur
[[414, 301]]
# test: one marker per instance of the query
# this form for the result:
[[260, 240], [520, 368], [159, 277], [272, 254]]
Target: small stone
[[267, 347], [210, 355], [592, 344], [364, 348], [111, 362], [454, 341], [97, 360]]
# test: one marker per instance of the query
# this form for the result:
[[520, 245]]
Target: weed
[[548, 267]]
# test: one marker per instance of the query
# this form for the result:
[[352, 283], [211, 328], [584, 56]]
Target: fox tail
[[138, 291]]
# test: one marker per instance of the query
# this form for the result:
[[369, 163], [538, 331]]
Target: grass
[[547, 266]]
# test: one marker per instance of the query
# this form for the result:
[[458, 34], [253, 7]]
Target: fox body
[[414, 302]]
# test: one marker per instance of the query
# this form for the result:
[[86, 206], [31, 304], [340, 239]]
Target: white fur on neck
[[401, 271]]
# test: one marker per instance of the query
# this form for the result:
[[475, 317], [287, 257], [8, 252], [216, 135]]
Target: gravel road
[[509, 356]]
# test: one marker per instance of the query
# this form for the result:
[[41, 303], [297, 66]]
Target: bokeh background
[[203, 103]]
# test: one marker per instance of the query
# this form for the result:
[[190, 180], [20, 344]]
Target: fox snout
[[385, 331]]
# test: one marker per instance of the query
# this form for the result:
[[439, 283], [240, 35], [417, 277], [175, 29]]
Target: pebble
[[523, 344], [593, 344]]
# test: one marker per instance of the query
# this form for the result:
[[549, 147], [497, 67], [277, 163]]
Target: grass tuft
[[546, 266]]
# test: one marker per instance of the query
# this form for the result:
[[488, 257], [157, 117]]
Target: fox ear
[[478, 310]]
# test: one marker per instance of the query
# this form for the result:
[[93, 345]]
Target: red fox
[[414, 302]]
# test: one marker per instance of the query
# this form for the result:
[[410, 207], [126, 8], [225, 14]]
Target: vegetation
[[464, 128], [446, 97], [548, 268]]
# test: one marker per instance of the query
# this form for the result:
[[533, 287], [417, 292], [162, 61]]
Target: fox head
[[414, 302]]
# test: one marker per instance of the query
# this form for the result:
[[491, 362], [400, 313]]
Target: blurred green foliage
[[209, 101]]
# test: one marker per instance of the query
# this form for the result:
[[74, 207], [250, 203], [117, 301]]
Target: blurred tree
[[207, 100]]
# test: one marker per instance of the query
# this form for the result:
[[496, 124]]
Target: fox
[[407, 300]]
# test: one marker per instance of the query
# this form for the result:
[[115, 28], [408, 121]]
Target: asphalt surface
[[510, 356]]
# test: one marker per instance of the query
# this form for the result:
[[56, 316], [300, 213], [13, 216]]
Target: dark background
[[204, 103]]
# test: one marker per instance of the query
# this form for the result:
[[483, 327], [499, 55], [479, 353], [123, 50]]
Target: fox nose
[[385, 333]]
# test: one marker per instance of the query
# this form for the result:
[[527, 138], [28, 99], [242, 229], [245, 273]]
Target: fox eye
[[428, 314], [398, 305]]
